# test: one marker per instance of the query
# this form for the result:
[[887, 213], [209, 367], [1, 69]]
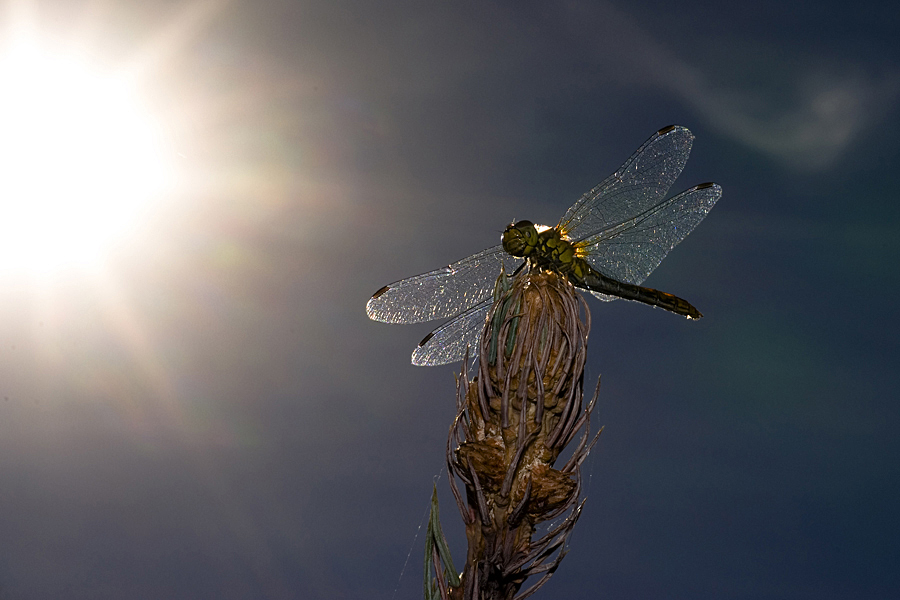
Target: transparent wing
[[636, 187], [448, 343], [441, 293], [631, 250]]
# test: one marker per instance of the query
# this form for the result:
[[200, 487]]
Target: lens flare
[[80, 160]]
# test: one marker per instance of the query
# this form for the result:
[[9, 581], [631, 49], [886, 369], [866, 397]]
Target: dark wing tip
[[674, 130], [381, 291], [708, 184], [425, 339], [373, 310]]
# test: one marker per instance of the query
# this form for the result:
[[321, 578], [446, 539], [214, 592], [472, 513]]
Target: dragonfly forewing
[[444, 292], [638, 185]]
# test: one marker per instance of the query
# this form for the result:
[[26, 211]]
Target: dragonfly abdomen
[[598, 282]]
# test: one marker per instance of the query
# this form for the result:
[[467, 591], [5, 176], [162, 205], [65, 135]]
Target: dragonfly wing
[[631, 250], [448, 343], [604, 297], [441, 293], [638, 185]]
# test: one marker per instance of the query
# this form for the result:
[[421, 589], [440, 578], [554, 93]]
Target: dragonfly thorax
[[544, 247]]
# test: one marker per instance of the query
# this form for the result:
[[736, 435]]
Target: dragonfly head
[[520, 239]]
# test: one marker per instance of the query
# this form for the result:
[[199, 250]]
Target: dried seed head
[[514, 419]]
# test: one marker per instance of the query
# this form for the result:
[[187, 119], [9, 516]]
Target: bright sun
[[80, 160]]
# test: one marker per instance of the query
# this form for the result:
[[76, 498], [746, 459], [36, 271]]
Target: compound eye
[[524, 225]]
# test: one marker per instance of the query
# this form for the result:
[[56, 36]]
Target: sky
[[208, 412]]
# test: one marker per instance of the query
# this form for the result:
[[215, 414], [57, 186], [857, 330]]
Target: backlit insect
[[608, 242]]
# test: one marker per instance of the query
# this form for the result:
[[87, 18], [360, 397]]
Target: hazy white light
[[79, 161]]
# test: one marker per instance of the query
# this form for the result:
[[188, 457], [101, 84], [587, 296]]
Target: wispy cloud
[[828, 112], [824, 111]]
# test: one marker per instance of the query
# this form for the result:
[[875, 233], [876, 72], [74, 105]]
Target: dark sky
[[216, 417]]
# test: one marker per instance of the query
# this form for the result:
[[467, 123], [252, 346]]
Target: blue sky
[[226, 422]]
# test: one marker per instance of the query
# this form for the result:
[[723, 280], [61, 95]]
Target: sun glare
[[80, 160]]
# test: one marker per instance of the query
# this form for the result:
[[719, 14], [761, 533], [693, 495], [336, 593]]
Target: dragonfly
[[607, 243]]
